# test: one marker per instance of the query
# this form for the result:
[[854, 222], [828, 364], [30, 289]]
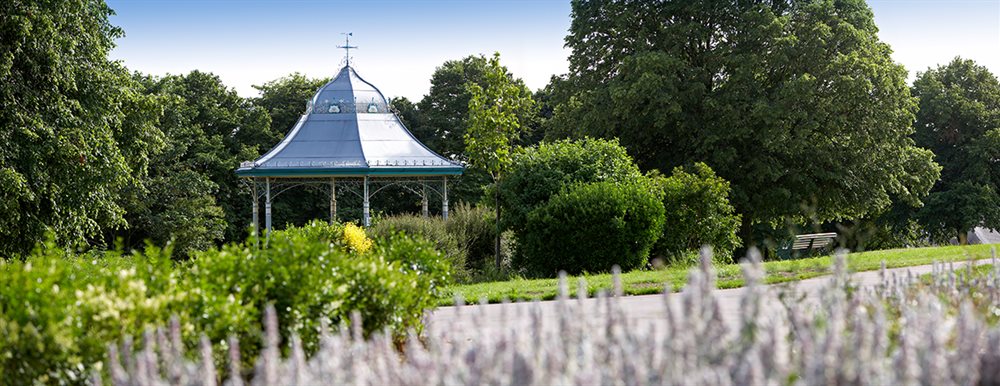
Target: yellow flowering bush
[[356, 239]]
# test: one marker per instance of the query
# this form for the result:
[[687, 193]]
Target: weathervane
[[347, 46]]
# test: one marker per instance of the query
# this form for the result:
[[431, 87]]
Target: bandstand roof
[[349, 130]]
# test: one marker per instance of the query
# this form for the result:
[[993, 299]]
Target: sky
[[401, 42]]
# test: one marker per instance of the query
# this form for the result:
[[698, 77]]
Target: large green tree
[[285, 99], [192, 194], [959, 119], [494, 126], [797, 103], [75, 131], [441, 118], [445, 108]]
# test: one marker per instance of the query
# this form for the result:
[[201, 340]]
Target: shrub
[[59, 311], [592, 227], [901, 331], [356, 239], [433, 229], [466, 238], [308, 280], [474, 226], [697, 213], [318, 230], [540, 172]]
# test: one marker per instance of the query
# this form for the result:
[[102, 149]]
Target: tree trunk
[[747, 237], [496, 245]]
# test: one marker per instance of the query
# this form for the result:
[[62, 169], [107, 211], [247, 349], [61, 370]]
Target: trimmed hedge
[[592, 227]]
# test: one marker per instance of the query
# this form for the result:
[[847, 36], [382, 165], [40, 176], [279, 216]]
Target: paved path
[[648, 308]]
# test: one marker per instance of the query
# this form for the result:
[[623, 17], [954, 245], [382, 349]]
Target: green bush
[[697, 213], [309, 278], [540, 172], [433, 229], [59, 310], [465, 239], [475, 228], [592, 227]]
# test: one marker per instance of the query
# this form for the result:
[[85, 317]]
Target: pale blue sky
[[401, 42]]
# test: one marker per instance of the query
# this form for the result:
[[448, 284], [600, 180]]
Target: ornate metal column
[[256, 207], [444, 199], [366, 218], [267, 206], [333, 200], [423, 199]]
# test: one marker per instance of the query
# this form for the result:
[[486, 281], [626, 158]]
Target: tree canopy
[[191, 195], [445, 108], [797, 103], [493, 122], [959, 120], [285, 99], [75, 131]]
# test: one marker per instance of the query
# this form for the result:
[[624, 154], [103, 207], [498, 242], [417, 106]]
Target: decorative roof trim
[[352, 172]]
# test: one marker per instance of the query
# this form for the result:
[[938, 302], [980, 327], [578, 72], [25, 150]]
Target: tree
[[796, 103], [442, 115], [176, 201], [285, 99], [445, 108], [959, 120], [407, 112], [192, 194], [493, 126], [75, 131]]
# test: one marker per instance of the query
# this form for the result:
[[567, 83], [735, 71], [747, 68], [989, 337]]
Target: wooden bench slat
[[813, 241], [817, 236]]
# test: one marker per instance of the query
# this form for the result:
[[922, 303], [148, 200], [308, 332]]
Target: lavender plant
[[904, 330]]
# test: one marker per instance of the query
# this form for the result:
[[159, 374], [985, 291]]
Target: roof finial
[[347, 46]]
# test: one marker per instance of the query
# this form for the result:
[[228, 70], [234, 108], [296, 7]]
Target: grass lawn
[[729, 276]]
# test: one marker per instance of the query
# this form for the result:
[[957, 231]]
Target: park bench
[[808, 245]]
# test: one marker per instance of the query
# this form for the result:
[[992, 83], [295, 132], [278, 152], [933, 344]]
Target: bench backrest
[[813, 241]]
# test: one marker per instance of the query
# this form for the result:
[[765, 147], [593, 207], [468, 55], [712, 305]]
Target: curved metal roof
[[349, 130]]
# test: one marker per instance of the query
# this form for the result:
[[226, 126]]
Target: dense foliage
[[444, 110], [191, 195], [592, 228], [494, 128], [797, 103], [285, 99], [539, 172], [59, 310], [75, 131], [901, 331], [465, 239], [959, 120], [439, 119], [433, 229], [697, 213]]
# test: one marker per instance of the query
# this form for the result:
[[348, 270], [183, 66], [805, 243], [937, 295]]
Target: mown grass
[[644, 282]]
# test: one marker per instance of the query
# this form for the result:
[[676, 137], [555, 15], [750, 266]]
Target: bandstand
[[348, 138]]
